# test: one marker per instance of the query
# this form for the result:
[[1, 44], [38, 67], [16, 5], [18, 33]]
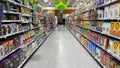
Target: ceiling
[[51, 3]]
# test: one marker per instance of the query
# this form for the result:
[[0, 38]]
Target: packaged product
[[89, 45], [1, 65], [10, 44], [117, 10], [94, 49], [117, 29], [19, 27], [4, 29], [114, 46], [96, 38], [107, 60], [112, 11], [112, 28], [106, 27], [102, 57], [9, 27], [5, 46], [113, 63], [104, 41], [98, 50], [1, 50], [86, 24], [107, 12], [93, 25], [100, 13]]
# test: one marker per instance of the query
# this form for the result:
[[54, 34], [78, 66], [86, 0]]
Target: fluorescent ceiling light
[[45, 0], [81, 3]]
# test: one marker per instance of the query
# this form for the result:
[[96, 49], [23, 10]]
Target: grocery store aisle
[[61, 50]]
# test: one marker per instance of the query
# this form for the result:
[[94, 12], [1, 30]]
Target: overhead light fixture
[[81, 3], [45, 0]]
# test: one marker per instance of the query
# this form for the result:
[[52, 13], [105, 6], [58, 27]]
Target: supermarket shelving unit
[[34, 33], [75, 29]]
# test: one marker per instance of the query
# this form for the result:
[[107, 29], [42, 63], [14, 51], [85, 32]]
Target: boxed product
[[107, 12], [16, 42], [100, 14], [102, 57], [112, 28], [114, 63], [10, 44], [5, 47], [93, 25], [9, 28], [114, 46], [99, 26], [106, 27], [84, 31], [94, 50], [92, 47], [115, 29], [86, 24], [13, 61], [14, 27], [104, 41], [98, 50], [107, 60], [18, 27], [96, 37], [4, 29], [115, 9]]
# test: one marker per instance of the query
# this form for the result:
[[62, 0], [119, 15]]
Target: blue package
[[1, 13]]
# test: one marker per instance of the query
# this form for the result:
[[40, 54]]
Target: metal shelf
[[28, 43], [89, 52], [10, 12], [107, 4], [15, 3], [101, 32], [35, 28], [27, 58], [3, 57], [108, 51], [102, 5], [21, 65], [5, 36], [11, 20], [117, 19]]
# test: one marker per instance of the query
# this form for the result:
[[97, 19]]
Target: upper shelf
[[102, 5], [15, 3]]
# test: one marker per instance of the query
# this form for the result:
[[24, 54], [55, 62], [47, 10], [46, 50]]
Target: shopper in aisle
[[63, 21]]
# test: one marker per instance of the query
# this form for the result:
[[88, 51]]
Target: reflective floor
[[61, 50]]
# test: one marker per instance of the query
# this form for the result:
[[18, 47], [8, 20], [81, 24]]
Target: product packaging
[[114, 46]]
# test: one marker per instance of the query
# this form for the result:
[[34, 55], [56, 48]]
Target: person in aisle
[[63, 21]]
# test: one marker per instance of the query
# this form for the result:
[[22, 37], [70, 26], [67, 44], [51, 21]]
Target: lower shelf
[[102, 66], [23, 63]]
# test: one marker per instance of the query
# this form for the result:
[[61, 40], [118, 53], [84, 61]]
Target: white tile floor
[[61, 50]]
